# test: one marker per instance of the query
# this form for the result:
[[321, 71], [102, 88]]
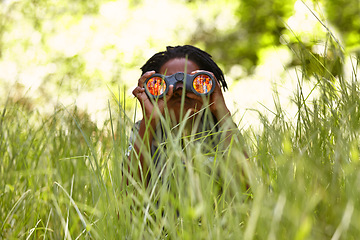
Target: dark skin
[[192, 104]]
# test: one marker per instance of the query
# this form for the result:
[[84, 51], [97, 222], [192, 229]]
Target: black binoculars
[[200, 83]]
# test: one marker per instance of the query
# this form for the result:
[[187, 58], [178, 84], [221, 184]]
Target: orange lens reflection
[[202, 84], [156, 86]]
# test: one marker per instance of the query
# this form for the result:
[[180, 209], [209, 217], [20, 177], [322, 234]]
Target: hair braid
[[198, 56]]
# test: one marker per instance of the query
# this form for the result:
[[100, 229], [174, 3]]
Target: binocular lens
[[156, 86], [202, 84]]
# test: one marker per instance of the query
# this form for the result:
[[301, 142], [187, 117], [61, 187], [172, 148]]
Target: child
[[149, 131]]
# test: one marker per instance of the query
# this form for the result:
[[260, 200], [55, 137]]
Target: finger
[[212, 74], [137, 91], [148, 106], [217, 86], [196, 71], [144, 77], [170, 93], [145, 102], [194, 96], [140, 94]]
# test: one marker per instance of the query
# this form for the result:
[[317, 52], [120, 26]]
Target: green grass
[[63, 178]]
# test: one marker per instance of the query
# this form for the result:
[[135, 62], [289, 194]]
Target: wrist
[[221, 112], [224, 118], [149, 124]]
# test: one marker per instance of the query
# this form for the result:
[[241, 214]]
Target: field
[[63, 178]]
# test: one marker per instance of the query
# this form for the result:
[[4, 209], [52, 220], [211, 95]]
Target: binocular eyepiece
[[201, 83]]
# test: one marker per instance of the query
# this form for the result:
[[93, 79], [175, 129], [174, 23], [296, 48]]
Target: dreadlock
[[198, 56]]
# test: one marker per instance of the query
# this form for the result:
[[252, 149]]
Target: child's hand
[[217, 103], [147, 104]]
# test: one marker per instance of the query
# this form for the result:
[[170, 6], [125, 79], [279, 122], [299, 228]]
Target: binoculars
[[201, 83]]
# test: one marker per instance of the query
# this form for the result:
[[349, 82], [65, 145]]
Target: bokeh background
[[67, 70], [85, 53]]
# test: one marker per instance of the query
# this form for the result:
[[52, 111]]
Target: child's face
[[192, 101]]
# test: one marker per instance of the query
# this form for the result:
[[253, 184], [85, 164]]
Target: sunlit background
[[86, 52]]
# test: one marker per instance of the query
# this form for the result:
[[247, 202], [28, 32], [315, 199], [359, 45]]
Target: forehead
[[178, 65]]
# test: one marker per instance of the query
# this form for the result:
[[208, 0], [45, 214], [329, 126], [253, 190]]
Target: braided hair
[[198, 56]]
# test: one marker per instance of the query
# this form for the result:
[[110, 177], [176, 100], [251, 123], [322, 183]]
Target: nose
[[178, 89], [179, 85]]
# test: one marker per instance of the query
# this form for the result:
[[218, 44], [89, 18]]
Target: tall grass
[[64, 178]]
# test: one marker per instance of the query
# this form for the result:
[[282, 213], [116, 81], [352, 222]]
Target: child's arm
[[146, 134]]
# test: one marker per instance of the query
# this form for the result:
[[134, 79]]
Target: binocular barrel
[[201, 83]]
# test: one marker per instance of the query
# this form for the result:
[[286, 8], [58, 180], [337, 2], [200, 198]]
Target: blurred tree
[[327, 64], [79, 45], [261, 23], [345, 16]]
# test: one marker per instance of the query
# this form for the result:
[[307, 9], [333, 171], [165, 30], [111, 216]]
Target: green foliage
[[64, 177], [260, 25], [77, 46], [345, 15], [264, 23], [39, 157]]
